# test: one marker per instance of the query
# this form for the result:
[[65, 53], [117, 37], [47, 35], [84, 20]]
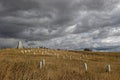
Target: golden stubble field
[[24, 64]]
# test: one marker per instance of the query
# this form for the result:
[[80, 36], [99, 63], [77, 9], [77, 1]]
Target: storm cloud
[[71, 24]]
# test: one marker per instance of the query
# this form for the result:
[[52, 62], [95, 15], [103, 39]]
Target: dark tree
[[87, 49]]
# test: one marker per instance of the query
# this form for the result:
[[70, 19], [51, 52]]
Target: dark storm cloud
[[14, 5], [60, 22]]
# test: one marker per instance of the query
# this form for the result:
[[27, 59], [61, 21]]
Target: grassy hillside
[[24, 64]]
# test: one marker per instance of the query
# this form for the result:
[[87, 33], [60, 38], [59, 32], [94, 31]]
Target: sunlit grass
[[15, 65]]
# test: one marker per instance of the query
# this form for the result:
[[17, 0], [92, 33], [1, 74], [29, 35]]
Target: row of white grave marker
[[42, 63], [107, 67], [37, 52], [66, 56]]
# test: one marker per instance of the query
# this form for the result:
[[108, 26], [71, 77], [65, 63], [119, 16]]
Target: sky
[[63, 24]]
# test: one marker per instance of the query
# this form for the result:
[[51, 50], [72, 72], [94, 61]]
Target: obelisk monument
[[19, 45]]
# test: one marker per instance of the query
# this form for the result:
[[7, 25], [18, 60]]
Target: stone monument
[[19, 45]]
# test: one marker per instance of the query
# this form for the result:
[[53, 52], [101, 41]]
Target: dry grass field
[[24, 64]]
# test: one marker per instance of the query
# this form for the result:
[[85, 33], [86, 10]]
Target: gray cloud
[[63, 23], [8, 42]]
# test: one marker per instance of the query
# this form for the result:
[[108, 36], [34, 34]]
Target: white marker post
[[108, 68], [42, 53], [34, 53], [85, 66], [80, 58], [63, 57], [70, 57], [41, 64]]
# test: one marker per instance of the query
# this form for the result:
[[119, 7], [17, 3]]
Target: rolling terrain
[[24, 64]]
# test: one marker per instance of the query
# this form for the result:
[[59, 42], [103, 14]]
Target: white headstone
[[108, 69], [22, 51], [34, 53], [41, 64], [42, 53], [80, 58], [25, 51], [63, 57], [85, 65], [70, 57]]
